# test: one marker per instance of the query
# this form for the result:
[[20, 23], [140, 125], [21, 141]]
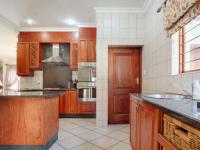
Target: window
[[189, 47]]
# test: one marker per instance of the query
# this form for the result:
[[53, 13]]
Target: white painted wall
[[157, 57], [113, 28]]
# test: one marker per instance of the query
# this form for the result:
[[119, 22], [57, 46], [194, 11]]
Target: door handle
[[137, 80]]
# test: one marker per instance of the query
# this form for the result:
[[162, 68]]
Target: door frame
[[110, 74]]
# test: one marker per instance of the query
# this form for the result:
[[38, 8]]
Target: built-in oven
[[86, 81], [86, 72], [86, 91]]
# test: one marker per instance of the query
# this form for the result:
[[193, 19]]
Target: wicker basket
[[183, 136]]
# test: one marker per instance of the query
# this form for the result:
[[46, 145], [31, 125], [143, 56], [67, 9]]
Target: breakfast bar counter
[[28, 120]]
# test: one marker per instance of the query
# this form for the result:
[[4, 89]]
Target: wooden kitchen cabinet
[[87, 45], [91, 50], [87, 108], [72, 102], [144, 125], [28, 58], [35, 56], [74, 56], [23, 60], [133, 124]]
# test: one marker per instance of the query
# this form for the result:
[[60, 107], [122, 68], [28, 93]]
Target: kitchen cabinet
[[28, 58], [69, 104], [72, 102], [74, 56], [23, 60], [87, 108], [87, 45], [144, 125], [35, 56]]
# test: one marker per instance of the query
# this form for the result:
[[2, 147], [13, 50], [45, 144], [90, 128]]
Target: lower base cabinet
[[69, 104], [144, 125]]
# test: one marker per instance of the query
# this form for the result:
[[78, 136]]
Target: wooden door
[[146, 128], [124, 78], [82, 51], [23, 59], [133, 124], [91, 50], [35, 56], [74, 56]]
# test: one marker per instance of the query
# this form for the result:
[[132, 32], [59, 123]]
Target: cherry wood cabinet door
[[73, 102], [35, 58], [74, 56], [82, 51], [124, 76], [87, 108], [146, 125], [91, 51], [23, 59], [61, 104], [133, 124]]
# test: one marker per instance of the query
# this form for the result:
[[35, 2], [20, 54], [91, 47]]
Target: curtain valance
[[178, 13]]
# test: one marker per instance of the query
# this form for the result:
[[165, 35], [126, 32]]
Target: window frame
[[182, 52]]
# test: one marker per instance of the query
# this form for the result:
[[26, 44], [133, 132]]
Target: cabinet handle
[[137, 80]]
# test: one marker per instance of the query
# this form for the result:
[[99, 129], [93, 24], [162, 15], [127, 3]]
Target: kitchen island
[[28, 120]]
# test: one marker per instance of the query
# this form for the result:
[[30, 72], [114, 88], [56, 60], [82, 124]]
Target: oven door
[[84, 74], [87, 94]]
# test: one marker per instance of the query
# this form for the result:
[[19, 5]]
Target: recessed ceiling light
[[70, 21], [29, 21]]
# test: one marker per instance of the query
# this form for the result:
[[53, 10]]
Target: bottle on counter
[[196, 90]]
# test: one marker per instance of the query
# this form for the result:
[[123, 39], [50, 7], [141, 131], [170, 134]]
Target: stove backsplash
[[56, 76]]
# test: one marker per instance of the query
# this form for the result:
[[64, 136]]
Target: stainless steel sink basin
[[167, 96]]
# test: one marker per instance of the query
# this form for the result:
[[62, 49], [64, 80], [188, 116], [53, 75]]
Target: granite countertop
[[33, 94], [184, 109], [48, 89]]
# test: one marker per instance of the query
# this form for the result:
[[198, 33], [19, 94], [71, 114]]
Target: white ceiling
[[53, 13]]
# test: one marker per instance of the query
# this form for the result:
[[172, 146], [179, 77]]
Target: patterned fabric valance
[[178, 13]]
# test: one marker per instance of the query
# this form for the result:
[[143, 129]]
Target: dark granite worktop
[[48, 89], [30, 94], [184, 109]]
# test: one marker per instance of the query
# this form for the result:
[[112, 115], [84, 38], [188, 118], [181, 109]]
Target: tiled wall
[[157, 57], [125, 28], [35, 82]]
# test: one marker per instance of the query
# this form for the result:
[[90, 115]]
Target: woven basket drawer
[[183, 136]]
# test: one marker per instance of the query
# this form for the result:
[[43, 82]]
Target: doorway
[[124, 77]]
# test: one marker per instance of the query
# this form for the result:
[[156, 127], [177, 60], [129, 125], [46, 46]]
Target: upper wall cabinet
[[87, 45], [35, 56], [74, 55], [23, 60]]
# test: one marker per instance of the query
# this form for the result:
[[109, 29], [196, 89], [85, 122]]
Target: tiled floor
[[83, 134]]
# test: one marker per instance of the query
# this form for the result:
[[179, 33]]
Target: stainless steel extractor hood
[[55, 58]]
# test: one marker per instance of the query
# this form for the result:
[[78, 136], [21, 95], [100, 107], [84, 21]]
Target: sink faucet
[[180, 88]]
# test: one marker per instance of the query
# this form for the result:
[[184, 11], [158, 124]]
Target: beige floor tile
[[118, 126], [89, 136], [87, 146], [126, 130], [120, 146], [104, 131], [63, 134], [56, 147], [78, 130], [119, 135], [104, 142], [71, 142], [91, 126], [127, 140], [68, 126]]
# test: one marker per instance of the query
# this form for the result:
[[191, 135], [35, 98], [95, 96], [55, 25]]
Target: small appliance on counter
[[86, 82]]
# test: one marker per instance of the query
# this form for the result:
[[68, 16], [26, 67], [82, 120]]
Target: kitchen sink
[[168, 96]]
